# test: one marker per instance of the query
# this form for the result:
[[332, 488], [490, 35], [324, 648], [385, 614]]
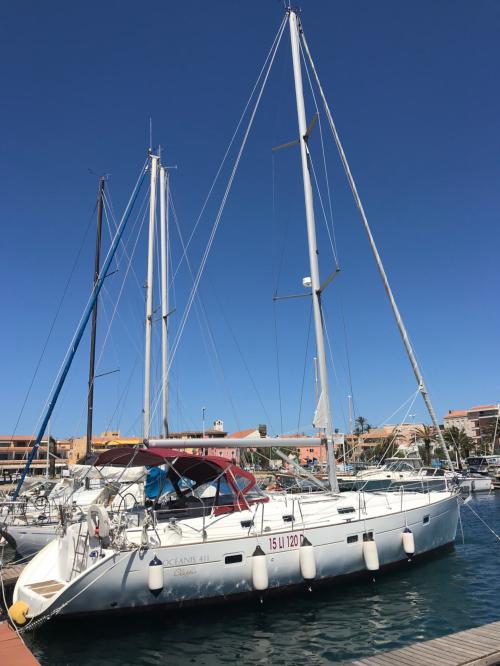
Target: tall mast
[[48, 453], [97, 267], [149, 295], [349, 398], [399, 321], [77, 338], [323, 412], [164, 239]]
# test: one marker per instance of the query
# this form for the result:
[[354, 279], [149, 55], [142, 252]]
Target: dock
[[13, 651], [10, 573], [473, 647]]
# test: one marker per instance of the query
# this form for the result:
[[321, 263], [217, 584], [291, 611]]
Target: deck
[[10, 573], [13, 652], [473, 647]]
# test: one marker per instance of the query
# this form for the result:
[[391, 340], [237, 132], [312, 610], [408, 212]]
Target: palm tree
[[387, 448], [460, 442], [362, 425], [490, 436], [427, 434]]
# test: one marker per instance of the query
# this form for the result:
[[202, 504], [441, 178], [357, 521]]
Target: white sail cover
[[320, 419], [127, 475]]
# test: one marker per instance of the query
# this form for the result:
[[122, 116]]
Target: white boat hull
[[198, 572], [29, 539], [482, 484]]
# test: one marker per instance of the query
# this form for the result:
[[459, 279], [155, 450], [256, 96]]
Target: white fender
[[370, 554], [307, 560], [408, 541], [155, 575], [98, 521], [260, 578]]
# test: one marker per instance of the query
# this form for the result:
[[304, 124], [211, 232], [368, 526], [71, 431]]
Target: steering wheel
[[41, 502]]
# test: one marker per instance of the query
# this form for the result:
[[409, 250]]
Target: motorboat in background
[[410, 473]]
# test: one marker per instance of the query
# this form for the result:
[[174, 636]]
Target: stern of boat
[[50, 572]]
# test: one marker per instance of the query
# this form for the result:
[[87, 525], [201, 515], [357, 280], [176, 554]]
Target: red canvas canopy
[[125, 456], [199, 468]]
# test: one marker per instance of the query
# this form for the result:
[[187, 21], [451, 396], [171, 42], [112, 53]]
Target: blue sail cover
[[157, 483]]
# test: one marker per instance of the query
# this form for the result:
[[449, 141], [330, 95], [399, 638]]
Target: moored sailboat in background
[[31, 520]]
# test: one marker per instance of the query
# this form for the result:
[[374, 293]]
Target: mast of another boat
[[97, 267], [323, 417], [75, 343], [149, 294], [48, 453], [349, 399], [164, 240]]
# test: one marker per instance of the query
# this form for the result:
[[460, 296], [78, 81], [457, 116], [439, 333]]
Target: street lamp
[[203, 410]]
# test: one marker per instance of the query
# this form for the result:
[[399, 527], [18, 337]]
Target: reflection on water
[[454, 591]]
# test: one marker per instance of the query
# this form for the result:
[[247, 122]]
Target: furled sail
[[320, 419]]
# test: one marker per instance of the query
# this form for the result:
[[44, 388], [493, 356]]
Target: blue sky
[[414, 91]]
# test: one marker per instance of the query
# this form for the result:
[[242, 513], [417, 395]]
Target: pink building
[[229, 453]]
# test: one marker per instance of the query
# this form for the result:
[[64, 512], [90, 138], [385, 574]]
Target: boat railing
[[123, 501], [402, 495], [362, 502], [33, 509]]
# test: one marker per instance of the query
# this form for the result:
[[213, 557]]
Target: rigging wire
[[495, 431], [123, 246], [122, 398], [411, 398], [348, 359], [330, 353], [277, 364], [84, 406], [397, 315], [71, 344], [396, 429], [138, 223], [273, 49], [245, 364], [306, 353], [287, 226], [224, 200], [332, 238], [205, 317], [497, 537], [263, 75], [203, 320], [280, 265], [318, 190], [54, 320]]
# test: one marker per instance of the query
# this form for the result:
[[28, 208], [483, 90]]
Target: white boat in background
[[411, 474], [38, 516], [484, 464], [467, 481], [394, 470], [214, 536]]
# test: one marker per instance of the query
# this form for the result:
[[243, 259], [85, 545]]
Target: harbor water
[[456, 590]]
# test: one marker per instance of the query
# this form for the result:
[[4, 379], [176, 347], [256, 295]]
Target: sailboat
[[35, 518], [213, 535]]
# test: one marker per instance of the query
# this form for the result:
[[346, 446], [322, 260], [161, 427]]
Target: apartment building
[[476, 421]]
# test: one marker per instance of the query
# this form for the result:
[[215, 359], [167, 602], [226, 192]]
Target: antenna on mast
[[150, 134]]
